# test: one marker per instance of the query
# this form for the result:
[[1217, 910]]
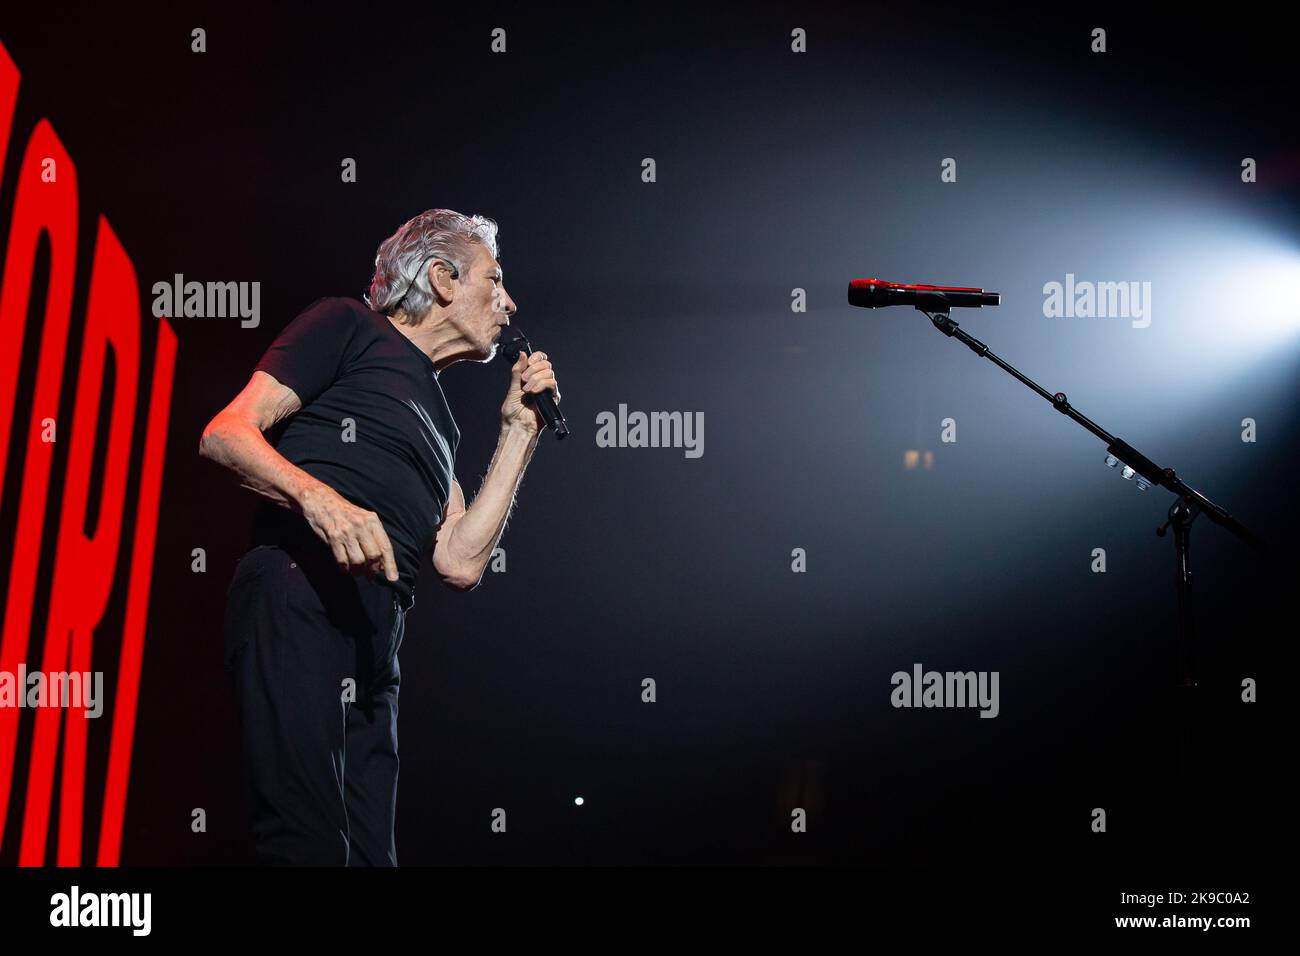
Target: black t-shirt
[[397, 455]]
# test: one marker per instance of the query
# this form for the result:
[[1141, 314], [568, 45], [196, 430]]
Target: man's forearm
[[477, 531], [356, 536], [243, 450]]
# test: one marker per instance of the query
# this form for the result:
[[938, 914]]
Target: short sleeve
[[309, 354]]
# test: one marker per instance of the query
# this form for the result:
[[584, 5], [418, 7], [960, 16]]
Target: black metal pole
[[1190, 502]]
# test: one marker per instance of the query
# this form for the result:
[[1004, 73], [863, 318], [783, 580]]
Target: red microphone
[[877, 293]]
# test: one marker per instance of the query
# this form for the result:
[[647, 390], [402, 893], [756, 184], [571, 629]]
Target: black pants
[[312, 652]]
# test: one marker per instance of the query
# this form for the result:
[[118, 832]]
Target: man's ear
[[441, 280]]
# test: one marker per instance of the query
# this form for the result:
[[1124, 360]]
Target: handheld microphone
[[513, 342], [877, 293]]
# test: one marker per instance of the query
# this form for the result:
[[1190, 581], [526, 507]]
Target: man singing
[[358, 477]]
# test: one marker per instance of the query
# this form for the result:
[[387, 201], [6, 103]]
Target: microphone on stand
[[877, 293]]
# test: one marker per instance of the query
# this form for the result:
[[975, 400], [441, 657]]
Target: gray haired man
[[346, 434]]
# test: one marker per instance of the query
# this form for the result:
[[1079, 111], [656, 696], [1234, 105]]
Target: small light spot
[[577, 801]]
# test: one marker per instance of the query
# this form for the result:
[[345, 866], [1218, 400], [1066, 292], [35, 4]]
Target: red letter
[[84, 565], [52, 208], [137, 599]]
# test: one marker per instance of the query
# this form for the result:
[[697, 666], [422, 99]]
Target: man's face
[[486, 306]]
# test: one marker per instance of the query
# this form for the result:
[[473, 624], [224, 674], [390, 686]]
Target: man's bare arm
[[234, 439], [467, 537]]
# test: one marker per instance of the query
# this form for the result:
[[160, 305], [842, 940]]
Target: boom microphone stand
[[1188, 505]]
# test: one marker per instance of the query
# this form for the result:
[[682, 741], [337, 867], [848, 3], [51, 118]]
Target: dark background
[[775, 171]]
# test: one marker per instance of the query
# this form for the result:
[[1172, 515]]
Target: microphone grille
[[867, 293], [512, 342]]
